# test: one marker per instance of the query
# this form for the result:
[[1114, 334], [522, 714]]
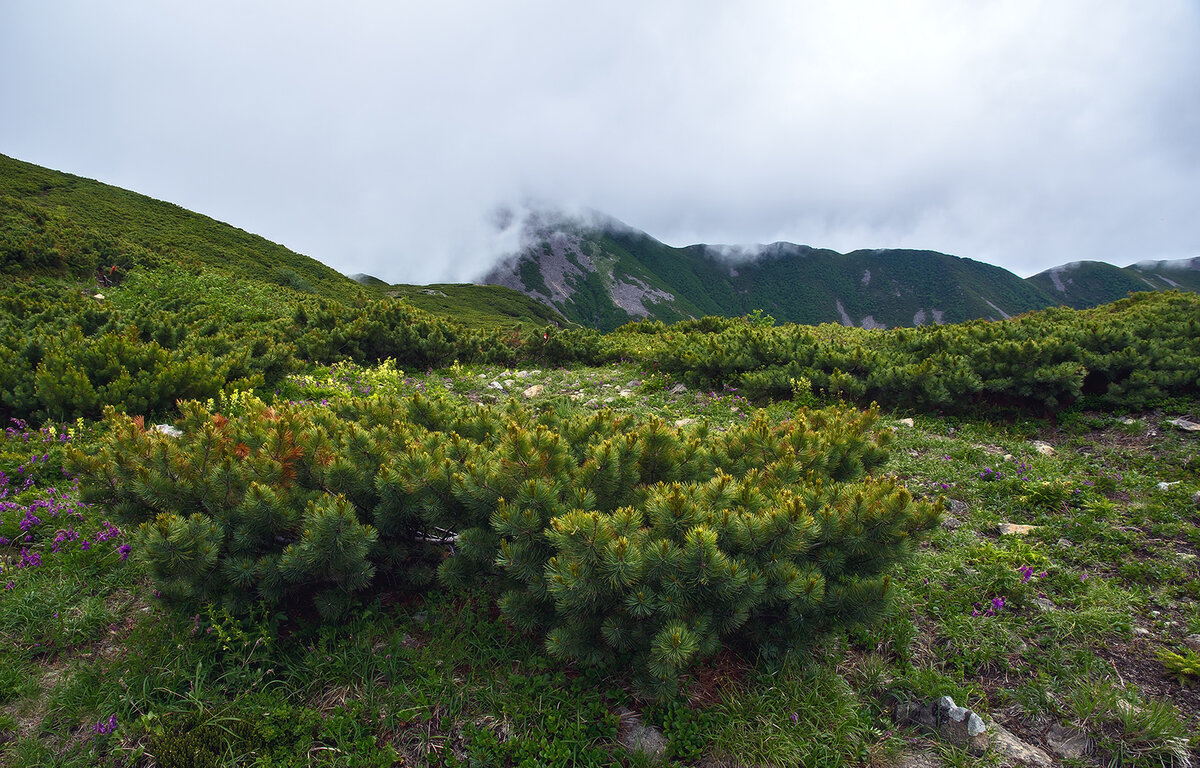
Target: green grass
[[439, 679]]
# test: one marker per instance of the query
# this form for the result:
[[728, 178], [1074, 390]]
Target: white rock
[[680, 423], [906, 422], [1185, 425], [1165, 486], [99, 297], [1016, 529], [533, 391], [1043, 448], [167, 430], [496, 385], [1014, 749]]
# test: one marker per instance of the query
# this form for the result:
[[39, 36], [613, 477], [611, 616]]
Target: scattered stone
[[681, 423], [678, 389], [1185, 425], [625, 393], [918, 760], [593, 403], [1141, 632], [1044, 604], [632, 383], [577, 396], [167, 430], [1193, 642], [508, 383], [99, 297], [496, 385], [1165, 486], [1016, 529], [906, 422], [533, 391], [1007, 457], [1013, 751], [1066, 742], [957, 725], [1128, 421], [522, 374], [607, 400], [958, 507], [1043, 448], [1065, 543], [951, 523], [636, 736], [1196, 497]]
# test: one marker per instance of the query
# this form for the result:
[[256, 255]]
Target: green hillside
[[603, 276], [477, 305], [56, 223], [1091, 283], [1182, 274]]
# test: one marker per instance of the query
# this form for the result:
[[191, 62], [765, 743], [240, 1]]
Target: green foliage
[[1184, 667], [620, 540], [1131, 354]]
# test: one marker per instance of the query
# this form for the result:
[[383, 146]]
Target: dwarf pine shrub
[[622, 541]]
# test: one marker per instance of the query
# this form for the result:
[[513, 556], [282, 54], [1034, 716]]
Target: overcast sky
[[381, 137]]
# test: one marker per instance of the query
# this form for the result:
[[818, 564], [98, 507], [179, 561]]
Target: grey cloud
[[382, 137]]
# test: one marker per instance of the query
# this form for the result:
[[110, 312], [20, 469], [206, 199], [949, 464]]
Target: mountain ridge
[[602, 276], [600, 272]]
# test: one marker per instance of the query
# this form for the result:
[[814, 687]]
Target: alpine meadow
[[254, 512]]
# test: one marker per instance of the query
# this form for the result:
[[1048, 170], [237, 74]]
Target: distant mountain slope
[[56, 223], [604, 274], [1085, 284], [477, 305]]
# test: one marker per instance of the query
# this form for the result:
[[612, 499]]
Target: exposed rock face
[[561, 258], [562, 261], [631, 296]]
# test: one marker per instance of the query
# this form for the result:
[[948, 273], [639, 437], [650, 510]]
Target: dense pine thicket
[[173, 334], [1129, 354], [621, 540]]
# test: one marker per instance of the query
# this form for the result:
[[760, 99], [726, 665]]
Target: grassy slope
[[167, 230], [477, 305]]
